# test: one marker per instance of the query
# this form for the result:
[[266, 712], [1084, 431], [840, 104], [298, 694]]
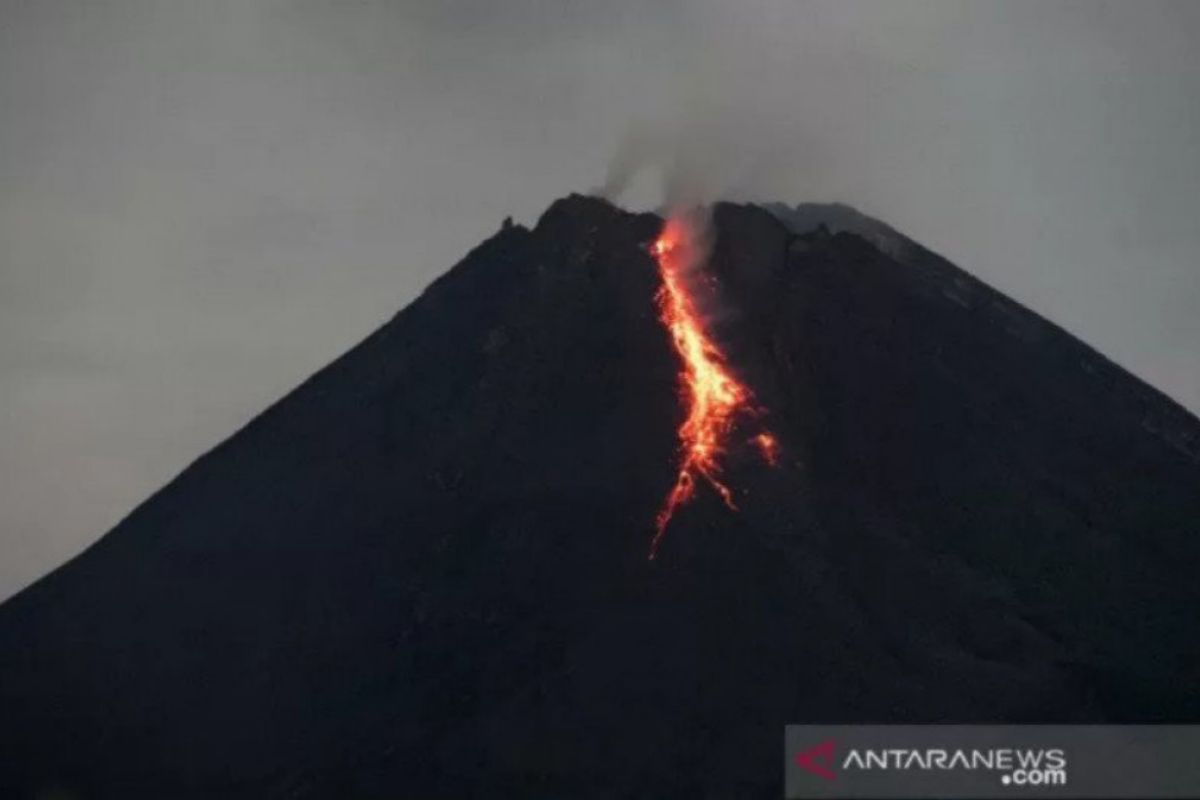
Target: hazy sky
[[203, 202]]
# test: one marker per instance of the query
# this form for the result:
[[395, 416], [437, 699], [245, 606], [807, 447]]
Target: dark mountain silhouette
[[423, 573]]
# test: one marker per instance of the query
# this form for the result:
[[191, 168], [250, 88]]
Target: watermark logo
[[983, 761], [818, 760]]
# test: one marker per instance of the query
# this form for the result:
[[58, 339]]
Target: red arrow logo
[[818, 760]]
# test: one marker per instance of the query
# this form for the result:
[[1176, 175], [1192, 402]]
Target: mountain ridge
[[424, 570]]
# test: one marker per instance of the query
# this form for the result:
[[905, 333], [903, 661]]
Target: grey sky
[[202, 203]]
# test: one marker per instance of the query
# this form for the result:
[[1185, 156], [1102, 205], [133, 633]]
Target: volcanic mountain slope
[[423, 573]]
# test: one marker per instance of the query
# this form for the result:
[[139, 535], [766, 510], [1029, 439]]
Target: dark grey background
[[201, 203]]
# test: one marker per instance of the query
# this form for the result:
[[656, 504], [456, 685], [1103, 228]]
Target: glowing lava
[[768, 447], [714, 397]]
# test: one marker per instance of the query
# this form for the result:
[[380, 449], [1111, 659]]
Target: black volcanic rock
[[423, 573]]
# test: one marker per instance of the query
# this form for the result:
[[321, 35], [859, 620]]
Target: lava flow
[[714, 397]]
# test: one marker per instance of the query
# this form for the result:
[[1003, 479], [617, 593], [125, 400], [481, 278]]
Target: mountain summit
[[424, 572]]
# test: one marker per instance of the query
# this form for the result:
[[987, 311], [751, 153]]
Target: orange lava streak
[[713, 396], [768, 447]]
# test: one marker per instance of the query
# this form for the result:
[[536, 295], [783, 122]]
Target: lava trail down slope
[[713, 397]]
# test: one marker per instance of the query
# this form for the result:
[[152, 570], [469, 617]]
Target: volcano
[[424, 572]]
